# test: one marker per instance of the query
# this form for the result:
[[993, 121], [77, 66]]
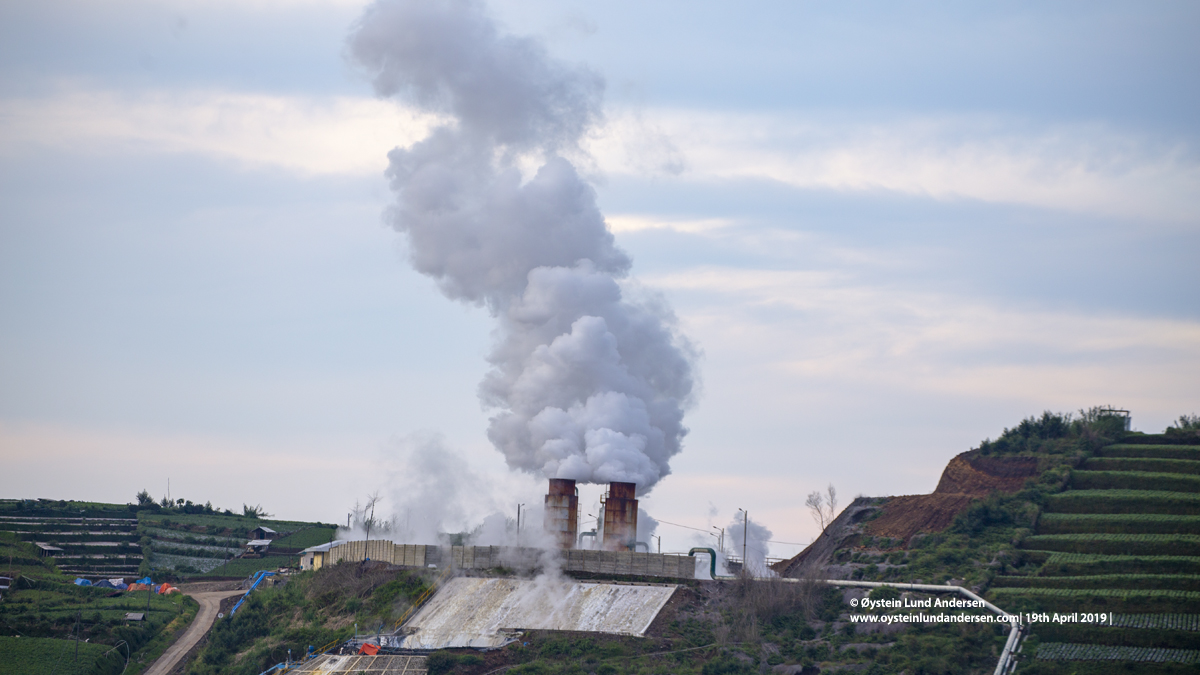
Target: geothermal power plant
[[617, 526], [473, 607]]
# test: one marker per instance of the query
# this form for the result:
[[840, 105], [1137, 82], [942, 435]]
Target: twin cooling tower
[[617, 529]]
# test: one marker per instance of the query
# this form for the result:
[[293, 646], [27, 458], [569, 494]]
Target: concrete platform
[[482, 613]]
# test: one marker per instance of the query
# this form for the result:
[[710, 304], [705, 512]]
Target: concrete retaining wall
[[489, 557]]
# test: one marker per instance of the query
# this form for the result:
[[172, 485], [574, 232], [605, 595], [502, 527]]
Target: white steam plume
[[588, 383], [756, 544], [431, 492]]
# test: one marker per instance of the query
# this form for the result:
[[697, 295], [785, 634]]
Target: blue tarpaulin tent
[[82, 582]]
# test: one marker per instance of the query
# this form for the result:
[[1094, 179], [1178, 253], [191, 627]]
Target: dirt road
[[210, 603]]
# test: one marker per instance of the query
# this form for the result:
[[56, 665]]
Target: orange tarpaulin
[[138, 587], [167, 588], [369, 649]]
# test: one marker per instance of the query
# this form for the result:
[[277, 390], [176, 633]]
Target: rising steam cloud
[[588, 382]]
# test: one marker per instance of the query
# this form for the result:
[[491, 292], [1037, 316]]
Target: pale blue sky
[[891, 228]]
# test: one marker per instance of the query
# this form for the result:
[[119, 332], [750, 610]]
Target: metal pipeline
[[712, 561], [1007, 657]]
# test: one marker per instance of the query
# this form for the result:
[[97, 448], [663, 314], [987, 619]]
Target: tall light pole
[[519, 523], [745, 532]]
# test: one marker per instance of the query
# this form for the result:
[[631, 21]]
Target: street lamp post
[[745, 532]]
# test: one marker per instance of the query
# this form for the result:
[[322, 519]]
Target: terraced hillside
[[188, 545], [1122, 541], [98, 540], [1061, 514]]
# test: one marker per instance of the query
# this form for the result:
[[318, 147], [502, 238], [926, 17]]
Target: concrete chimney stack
[[620, 518], [562, 512]]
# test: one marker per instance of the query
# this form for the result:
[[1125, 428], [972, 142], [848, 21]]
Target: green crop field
[[1179, 582], [1059, 651], [312, 536], [1165, 451], [1126, 601], [156, 519], [1122, 636], [244, 567], [187, 537], [1134, 480], [1151, 464], [1186, 622], [59, 509], [1117, 523], [1087, 563], [1117, 544], [41, 656], [18, 557], [1124, 501], [51, 613]]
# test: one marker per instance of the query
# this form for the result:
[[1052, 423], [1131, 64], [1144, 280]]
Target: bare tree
[[823, 507], [816, 506], [372, 500]]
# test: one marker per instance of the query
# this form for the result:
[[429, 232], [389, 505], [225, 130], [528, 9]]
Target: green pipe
[[712, 559]]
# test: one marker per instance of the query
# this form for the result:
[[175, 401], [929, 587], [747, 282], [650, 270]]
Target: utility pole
[[519, 524], [745, 532], [77, 619]]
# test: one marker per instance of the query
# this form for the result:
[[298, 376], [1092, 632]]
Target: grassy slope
[[310, 609]]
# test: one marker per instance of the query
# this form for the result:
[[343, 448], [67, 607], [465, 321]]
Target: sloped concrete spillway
[[472, 612]]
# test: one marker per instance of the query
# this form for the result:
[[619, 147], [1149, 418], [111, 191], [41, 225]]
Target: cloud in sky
[[890, 233], [828, 327], [1074, 167], [307, 135], [1086, 168]]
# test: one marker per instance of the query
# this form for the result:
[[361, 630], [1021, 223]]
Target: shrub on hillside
[[1059, 432]]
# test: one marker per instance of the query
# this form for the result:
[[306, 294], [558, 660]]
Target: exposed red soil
[[966, 478], [981, 475], [907, 515]]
